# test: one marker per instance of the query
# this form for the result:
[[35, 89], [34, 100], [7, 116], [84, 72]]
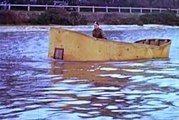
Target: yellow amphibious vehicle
[[70, 45]]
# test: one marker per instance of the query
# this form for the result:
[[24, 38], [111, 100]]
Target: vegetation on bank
[[11, 17], [62, 17], [167, 18], [164, 18], [51, 16], [115, 19]]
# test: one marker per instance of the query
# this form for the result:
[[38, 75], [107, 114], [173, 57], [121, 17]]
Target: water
[[34, 87]]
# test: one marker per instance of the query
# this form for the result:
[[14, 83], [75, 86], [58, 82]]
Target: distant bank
[[62, 17]]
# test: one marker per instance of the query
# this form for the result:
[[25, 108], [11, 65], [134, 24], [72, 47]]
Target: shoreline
[[45, 28]]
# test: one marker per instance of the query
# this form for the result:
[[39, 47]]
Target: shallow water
[[32, 86]]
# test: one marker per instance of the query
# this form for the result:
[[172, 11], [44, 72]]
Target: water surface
[[34, 87]]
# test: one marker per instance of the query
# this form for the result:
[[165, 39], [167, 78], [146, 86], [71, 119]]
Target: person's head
[[96, 25]]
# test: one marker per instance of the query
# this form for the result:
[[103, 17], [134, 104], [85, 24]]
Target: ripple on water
[[114, 75], [111, 107]]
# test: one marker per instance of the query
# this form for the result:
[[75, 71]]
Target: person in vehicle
[[98, 32]]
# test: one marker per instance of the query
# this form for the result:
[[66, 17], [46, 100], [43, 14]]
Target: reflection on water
[[35, 87]]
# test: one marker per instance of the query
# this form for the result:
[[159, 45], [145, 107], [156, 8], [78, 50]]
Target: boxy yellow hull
[[70, 45]]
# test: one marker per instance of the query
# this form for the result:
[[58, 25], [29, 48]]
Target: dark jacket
[[98, 33]]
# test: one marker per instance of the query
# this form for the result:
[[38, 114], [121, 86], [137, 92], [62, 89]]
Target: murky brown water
[[33, 87]]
